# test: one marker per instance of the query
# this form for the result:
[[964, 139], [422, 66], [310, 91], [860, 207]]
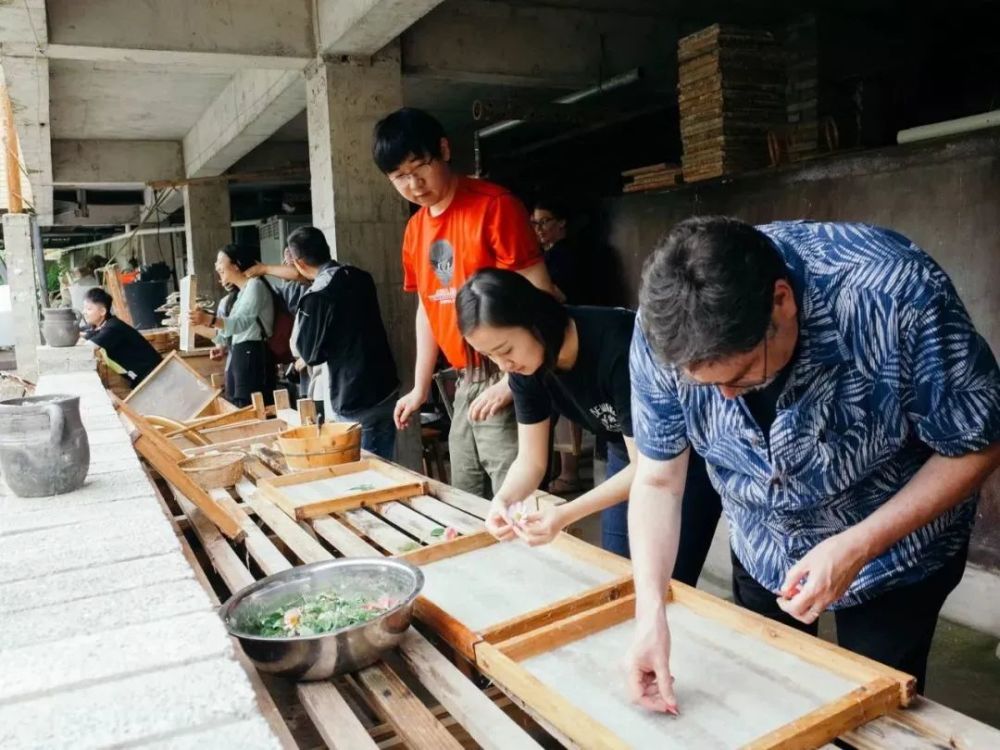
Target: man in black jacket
[[340, 325]]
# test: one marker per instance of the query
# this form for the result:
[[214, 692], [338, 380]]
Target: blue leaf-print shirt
[[889, 370]]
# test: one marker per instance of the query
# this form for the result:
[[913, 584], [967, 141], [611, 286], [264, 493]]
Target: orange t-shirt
[[485, 226]]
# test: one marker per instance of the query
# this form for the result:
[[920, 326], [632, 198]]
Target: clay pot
[[60, 327], [43, 445]]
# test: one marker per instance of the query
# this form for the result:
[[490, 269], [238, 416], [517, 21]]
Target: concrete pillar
[[360, 213], [207, 218], [17, 233]]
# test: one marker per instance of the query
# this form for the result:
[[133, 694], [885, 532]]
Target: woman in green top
[[244, 323]]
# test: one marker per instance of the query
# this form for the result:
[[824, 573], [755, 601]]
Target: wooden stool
[[430, 439]]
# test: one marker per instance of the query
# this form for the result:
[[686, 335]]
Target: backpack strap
[[275, 300]]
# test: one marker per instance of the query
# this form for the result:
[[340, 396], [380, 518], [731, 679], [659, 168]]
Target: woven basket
[[213, 471], [313, 446]]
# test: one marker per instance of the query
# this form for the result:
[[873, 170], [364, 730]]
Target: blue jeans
[[700, 511], [614, 520], [378, 430]]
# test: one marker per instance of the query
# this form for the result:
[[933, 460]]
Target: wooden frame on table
[[210, 396], [164, 456], [404, 485], [465, 639], [881, 688], [246, 414]]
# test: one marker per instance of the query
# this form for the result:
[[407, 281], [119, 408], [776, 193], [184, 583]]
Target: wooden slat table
[[400, 693], [470, 713]]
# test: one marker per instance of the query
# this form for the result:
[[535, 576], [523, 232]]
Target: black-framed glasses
[[540, 223], [419, 171], [738, 383]]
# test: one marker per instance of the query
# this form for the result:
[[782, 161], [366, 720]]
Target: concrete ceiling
[[294, 131], [138, 102], [451, 102]]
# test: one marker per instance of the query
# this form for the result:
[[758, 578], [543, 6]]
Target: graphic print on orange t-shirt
[[485, 226], [442, 259]]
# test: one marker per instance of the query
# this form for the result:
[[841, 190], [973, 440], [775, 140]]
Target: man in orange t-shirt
[[463, 225]]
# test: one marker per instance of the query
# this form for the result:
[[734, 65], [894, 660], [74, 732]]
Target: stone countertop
[[107, 638]]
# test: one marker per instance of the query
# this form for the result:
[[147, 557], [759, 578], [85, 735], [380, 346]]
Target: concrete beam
[[23, 21], [556, 43], [363, 27], [99, 216], [272, 155], [175, 59], [277, 29], [100, 162], [27, 80], [167, 202], [484, 78], [247, 112]]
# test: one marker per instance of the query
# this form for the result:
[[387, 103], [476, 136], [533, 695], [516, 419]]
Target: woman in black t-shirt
[[573, 361], [124, 345]]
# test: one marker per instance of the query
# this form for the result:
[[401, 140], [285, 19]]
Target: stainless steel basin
[[319, 657]]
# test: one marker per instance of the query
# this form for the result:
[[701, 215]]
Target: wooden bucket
[[212, 471], [313, 446]]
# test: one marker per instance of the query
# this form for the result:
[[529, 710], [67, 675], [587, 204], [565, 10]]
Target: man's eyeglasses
[[420, 171], [540, 223], [740, 382]]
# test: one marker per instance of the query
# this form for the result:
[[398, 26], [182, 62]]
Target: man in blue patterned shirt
[[848, 412]]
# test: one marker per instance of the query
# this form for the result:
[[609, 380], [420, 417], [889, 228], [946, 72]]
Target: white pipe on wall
[[950, 127]]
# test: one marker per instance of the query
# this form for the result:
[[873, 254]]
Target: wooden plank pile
[[802, 88], [730, 92], [651, 177]]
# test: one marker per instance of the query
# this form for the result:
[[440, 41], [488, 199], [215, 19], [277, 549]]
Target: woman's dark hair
[[406, 133], [97, 296], [707, 291], [240, 256], [505, 299], [309, 245], [558, 207]]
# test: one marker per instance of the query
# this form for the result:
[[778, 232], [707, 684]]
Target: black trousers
[[249, 371], [895, 628], [700, 511]]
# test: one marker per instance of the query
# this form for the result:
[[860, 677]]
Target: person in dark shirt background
[[569, 272], [340, 325], [564, 256], [123, 344]]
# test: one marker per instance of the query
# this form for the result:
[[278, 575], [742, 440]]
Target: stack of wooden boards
[[802, 89], [730, 92], [652, 177]]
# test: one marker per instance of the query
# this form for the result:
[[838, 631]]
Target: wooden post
[[257, 400], [113, 283], [307, 411], [281, 400], [15, 202], [189, 292]]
